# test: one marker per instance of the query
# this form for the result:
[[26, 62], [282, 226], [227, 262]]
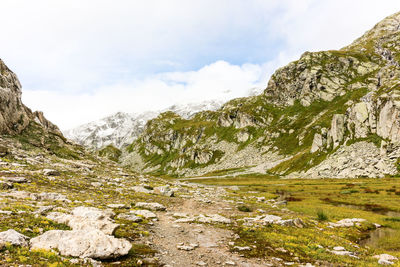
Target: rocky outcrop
[[315, 76], [14, 115]]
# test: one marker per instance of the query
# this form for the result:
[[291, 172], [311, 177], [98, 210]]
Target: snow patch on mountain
[[121, 129]]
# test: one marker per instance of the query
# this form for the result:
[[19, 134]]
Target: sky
[[81, 60]]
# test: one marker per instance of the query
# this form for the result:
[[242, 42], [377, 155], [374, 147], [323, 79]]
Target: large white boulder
[[13, 237], [82, 243], [86, 218]]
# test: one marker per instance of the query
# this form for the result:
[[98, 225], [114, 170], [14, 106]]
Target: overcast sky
[[80, 60]]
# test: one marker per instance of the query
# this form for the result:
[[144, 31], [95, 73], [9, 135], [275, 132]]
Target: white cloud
[[219, 80], [81, 60]]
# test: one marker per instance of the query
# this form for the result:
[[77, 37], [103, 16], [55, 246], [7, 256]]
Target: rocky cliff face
[[324, 107], [14, 115]]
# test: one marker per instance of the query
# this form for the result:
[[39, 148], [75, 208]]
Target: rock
[[164, 191], [318, 143], [385, 259], [202, 157], [2, 245], [337, 130], [86, 218], [52, 196], [117, 206], [231, 263], [6, 212], [293, 222], [213, 218], [17, 180], [242, 136], [14, 116], [242, 248], [234, 188], [129, 217], [150, 206], [141, 189], [21, 195], [50, 172], [388, 126], [185, 248], [341, 251], [271, 218], [82, 243], [13, 237], [347, 222], [5, 185], [385, 262], [145, 213], [44, 209]]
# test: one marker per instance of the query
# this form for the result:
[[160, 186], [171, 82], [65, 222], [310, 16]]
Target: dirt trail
[[211, 243]]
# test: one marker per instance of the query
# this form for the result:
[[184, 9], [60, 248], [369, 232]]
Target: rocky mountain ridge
[[311, 109], [121, 129]]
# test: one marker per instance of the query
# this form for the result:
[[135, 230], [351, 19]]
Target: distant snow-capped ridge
[[121, 129]]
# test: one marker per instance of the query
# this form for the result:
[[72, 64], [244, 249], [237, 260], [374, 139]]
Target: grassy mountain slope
[[298, 110]]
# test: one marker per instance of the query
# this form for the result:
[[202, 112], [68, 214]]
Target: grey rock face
[[389, 123], [14, 115]]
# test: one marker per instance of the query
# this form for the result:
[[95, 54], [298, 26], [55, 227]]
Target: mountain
[[30, 130], [329, 114], [121, 129]]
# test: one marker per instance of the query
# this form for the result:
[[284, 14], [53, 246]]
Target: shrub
[[244, 208], [321, 216]]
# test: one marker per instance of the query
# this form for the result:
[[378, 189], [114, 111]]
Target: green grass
[[308, 200]]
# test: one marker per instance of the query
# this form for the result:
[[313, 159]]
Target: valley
[[304, 174]]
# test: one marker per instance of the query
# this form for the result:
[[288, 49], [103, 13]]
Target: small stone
[[185, 248]]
